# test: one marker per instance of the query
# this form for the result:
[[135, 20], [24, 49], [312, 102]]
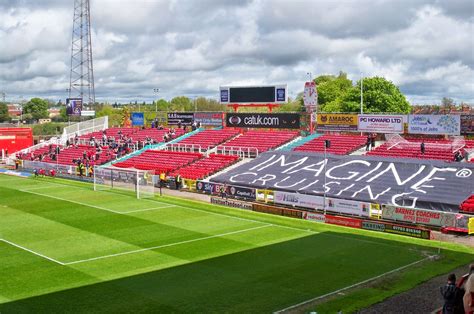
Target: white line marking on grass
[[147, 209], [32, 252], [352, 286], [95, 206], [71, 201], [167, 245]]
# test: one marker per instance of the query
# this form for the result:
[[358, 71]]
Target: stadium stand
[[208, 139], [205, 167], [468, 205], [437, 149], [159, 161], [340, 144], [262, 140]]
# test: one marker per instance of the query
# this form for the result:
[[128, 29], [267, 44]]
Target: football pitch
[[66, 248]]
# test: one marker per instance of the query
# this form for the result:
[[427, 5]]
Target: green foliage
[[379, 96], [337, 94], [181, 103], [332, 90], [162, 105], [4, 117], [48, 128], [37, 107]]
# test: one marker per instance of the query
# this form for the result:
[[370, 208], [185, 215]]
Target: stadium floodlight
[[140, 182]]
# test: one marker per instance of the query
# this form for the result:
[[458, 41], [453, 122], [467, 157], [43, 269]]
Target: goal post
[[139, 182]]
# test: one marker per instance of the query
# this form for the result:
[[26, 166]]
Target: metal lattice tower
[[81, 83]]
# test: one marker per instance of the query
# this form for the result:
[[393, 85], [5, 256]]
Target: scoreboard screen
[[253, 94]]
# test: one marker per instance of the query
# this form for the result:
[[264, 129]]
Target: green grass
[[66, 248]]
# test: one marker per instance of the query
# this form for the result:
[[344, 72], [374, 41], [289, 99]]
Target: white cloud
[[192, 47]]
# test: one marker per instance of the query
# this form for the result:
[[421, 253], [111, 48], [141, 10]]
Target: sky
[[191, 47]]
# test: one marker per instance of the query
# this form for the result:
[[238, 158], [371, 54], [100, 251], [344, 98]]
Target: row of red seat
[[210, 138], [468, 205], [404, 151], [159, 161], [340, 144], [205, 167], [262, 140]]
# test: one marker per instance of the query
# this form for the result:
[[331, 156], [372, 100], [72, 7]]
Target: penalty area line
[[352, 286], [167, 245], [32, 252]]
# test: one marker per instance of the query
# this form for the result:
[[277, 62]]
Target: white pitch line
[[95, 206], [167, 245], [32, 252], [352, 286], [71, 201], [147, 209]]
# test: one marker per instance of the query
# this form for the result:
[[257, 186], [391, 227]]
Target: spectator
[[372, 140], [57, 150], [449, 293], [179, 124], [468, 298], [367, 143], [422, 147], [458, 156]]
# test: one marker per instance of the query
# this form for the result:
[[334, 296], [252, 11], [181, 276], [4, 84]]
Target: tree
[[379, 96], [38, 108], [4, 117], [332, 90], [181, 103]]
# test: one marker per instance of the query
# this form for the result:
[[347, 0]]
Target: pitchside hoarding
[[263, 120], [337, 122], [419, 216], [231, 190], [448, 124], [380, 123]]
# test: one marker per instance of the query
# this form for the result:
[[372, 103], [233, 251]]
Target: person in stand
[[450, 293], [458, 156], [422, 147], [178, 181], [372, 141], [468, 298], [367, 143], [179, 124]]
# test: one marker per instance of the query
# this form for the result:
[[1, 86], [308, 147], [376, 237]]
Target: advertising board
[[186, 118], [419, 216], [299, 200], [208, 118], [348, 206], [138, 118], [314, 217], [73, 106], [337, 122], [231, 203], [344, 221], [263, 120], [467, 124], [380, 123], [447, 124]]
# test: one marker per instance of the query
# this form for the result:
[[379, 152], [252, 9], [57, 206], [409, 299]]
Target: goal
[[140, 182]]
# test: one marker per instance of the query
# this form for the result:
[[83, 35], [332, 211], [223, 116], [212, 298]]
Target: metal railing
[[242, 152]]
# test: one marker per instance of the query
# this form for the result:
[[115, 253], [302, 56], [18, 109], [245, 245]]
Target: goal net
[[140, 182]]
